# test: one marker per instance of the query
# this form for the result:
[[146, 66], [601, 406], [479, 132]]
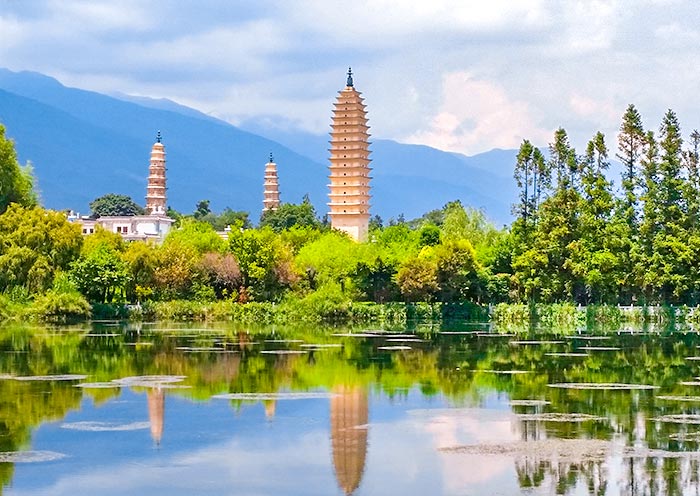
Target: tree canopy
[[112, 204], [16, 181]]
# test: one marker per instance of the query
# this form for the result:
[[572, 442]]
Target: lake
[[110, 408]]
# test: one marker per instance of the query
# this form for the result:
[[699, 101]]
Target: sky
[[464, 76]]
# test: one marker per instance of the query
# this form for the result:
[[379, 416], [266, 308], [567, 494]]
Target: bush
[[56, 306]]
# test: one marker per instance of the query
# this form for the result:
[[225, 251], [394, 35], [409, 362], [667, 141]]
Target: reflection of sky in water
[[208, 448]]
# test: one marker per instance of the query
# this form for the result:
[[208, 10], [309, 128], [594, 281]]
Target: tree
[[457, 271], [16, 182], [222, 272], [375, 280], [631, 142], [202, 209], [177, 270], [417, 279], [141, 259], [34, 245], [115, 205], [264, 261], [562, 161], [429, 235], [100, 276], [649, 225], [671, 255], [593, 258], [201, 236], [290, 214]]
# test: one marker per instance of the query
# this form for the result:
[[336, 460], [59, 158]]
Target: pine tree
[[594, 255], [631, 143]]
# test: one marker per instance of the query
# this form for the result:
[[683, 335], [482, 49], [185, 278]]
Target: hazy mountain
[[84, 144]]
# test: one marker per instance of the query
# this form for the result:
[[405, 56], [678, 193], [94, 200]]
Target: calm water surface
[[223, 409]]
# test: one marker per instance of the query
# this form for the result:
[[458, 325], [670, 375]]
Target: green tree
[[631, 142], [141, 259], [429, 235], [16, 182], [594, 256], [264, 261], [649, 228], [100, 276], [202, 209], [34, 245], [457, 272], [417, 279], [672, 256], [375, 280], [199, 235], [290, 214], [115, 205]]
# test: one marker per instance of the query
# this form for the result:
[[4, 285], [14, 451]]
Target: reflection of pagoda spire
[[349, 413], [270, 408], [156, 413]]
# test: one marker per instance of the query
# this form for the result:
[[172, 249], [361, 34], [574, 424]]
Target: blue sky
[[463, 76]]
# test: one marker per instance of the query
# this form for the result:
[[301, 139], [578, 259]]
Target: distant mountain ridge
[[84, 144]]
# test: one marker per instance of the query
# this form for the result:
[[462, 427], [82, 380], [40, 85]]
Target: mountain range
[[83, 144]]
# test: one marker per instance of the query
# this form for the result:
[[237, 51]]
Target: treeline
[[43, 256], [579, 238]]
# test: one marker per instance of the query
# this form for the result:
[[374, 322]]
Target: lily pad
[[559, 417], [98, 385], [29, 456], [529, 402], [273, 396], [63, 377], [681, 418], [105, 426], [601, 386]]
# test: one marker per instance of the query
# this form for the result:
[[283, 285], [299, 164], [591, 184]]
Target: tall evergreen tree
[[631, 142], [649, 226], [595, 254]]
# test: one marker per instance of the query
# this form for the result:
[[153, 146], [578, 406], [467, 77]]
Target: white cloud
[[479, 115], [462, 75]]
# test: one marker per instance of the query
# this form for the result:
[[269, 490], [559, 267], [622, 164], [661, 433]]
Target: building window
[[119, 229], [84, 231], [92, 231]]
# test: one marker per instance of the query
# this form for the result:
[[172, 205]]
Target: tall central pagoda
[[349, 164]]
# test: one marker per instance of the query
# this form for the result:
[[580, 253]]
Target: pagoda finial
[[271, 158], [159, 138], [349, 83]]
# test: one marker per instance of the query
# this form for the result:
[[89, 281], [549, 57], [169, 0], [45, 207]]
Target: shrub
[[56, 306]]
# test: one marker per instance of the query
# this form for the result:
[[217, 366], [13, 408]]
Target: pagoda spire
[[155, 193], [349, 169], [271, 193]]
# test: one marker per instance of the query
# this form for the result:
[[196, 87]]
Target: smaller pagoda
[[271, 199], [155, 193]]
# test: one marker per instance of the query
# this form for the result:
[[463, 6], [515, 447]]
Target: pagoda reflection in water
[[349, 414]]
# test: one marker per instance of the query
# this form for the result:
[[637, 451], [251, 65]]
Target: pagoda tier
[[349, 196], [271, 194], [156, 191]]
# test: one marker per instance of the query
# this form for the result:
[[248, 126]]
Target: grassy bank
[[68, 307], [62, 307], [609, 316]]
